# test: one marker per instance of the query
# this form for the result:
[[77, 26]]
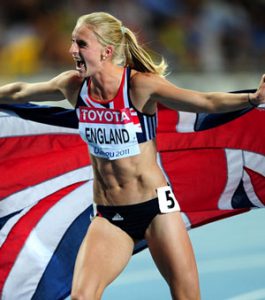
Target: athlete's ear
[[109, 50]]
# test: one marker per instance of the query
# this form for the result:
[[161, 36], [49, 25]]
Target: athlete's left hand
[[259, 95]]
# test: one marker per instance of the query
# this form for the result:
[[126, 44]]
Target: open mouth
[[80, 64]]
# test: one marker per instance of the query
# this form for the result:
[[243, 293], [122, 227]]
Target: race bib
[[110, 133], [166, 199]]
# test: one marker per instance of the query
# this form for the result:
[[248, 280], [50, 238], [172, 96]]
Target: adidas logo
[[117, 217]]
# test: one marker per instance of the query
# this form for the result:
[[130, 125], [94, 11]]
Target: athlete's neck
[[104, 86]]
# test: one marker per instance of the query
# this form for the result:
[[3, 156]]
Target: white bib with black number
[[166, 199]]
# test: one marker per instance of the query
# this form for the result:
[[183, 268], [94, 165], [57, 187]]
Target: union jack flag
[[215, 164]]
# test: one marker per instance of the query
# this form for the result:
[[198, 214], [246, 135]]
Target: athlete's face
[[86, 51]]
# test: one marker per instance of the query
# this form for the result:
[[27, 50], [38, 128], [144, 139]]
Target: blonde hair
[[110, 31]]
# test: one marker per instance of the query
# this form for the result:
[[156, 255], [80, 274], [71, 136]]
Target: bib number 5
[[166, 199]]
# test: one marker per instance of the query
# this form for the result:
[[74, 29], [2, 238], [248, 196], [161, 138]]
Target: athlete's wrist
[[252, 100]]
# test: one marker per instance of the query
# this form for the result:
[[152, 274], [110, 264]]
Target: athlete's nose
[[73, 49]]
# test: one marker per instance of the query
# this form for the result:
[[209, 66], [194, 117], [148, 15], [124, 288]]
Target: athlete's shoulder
[[69, 82], [144, 82], [143, 79], [68, 78]]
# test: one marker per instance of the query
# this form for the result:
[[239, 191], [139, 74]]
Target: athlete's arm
[[152, 88], [58, 88]]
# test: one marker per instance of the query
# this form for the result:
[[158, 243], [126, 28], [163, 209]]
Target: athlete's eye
[[81, 44]]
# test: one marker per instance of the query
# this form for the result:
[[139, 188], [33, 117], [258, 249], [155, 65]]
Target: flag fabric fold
[[215, 164]]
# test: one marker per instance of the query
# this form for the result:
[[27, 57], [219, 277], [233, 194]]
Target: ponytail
[[138, 58]]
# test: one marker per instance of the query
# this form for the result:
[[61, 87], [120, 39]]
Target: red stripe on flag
[[167, 119], [51, 155], [22, 229], [198, 177]]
